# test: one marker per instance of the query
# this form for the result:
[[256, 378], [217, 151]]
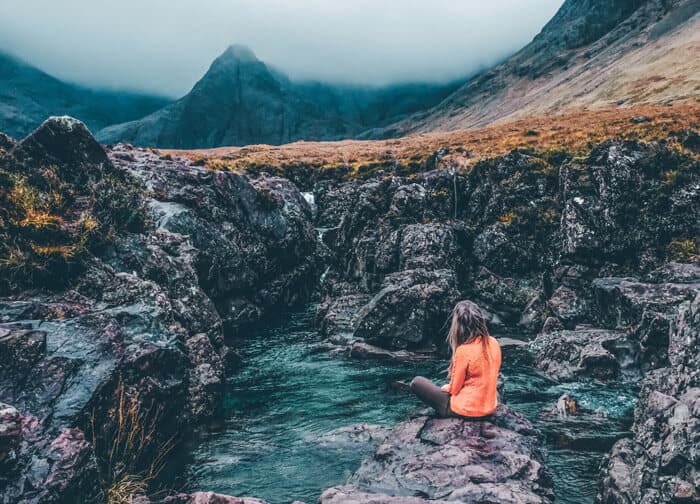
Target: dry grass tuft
[[129, 450]]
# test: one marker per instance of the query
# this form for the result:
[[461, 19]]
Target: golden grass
[[574, 132], [130, 453]]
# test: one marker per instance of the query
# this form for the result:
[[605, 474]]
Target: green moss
[[685, 250]]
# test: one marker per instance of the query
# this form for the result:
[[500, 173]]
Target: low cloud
[[163, 46]]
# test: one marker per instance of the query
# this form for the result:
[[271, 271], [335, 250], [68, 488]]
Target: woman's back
[[474, 378]]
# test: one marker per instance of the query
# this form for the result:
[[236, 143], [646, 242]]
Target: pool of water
[[290, 392]]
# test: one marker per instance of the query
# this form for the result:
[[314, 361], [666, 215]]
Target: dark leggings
[[433, 396], [438, 399]]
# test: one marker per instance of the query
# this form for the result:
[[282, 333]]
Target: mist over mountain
[[165, 47], [28, 96], [592, 53], [241, 101]]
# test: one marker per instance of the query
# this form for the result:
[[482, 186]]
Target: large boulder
[[584, 354], [441, 460], [410, 310]]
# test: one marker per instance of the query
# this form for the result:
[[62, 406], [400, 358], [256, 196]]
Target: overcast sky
[[164, 46]]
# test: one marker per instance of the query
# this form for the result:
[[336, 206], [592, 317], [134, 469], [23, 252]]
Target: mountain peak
[[239, 53]]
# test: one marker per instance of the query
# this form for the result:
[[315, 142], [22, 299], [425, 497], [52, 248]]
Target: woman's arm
[[459, 372]]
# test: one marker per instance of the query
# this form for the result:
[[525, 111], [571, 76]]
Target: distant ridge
[[28, 96], [593, 53]]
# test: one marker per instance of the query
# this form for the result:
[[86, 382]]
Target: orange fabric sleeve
[[460, 367]]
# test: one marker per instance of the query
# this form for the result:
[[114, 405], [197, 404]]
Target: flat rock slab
[[438, 460]]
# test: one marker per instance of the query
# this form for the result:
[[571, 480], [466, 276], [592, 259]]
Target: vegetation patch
[[50, 223]]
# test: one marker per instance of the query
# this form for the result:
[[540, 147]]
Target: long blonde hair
[[468, 324]]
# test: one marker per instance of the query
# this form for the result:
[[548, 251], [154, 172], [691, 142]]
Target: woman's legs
[[432, 395]]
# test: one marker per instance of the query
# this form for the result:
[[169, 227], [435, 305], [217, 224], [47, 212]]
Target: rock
[[675, 272], [568, 306], [622, 301], [206, 498], [600, 221], [659, 463], [336, 315], [46, 468], [452, 459], [552, 324], [10, 439], [350, 495], [362, 350], [353, 436], [254, 240], [409, 311], [586, 353]]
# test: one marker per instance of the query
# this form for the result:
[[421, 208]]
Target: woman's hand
[[446, 387]]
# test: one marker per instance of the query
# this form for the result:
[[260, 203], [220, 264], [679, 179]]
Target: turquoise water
[[291, 392]]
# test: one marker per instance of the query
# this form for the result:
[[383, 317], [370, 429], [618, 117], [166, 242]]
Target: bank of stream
[[290, 392]]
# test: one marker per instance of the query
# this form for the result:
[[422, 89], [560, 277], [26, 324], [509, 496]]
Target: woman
[[473, 371]]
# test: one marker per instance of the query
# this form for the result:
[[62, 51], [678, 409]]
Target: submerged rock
[[429, 459]]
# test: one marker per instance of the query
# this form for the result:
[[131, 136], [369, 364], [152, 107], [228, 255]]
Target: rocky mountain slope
[[28, 96], [241, 101], [593, 53]]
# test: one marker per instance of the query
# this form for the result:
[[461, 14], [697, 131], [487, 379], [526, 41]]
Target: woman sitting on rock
[[473, 371]]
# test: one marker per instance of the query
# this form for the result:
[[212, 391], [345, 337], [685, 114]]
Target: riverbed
[[291, 391]]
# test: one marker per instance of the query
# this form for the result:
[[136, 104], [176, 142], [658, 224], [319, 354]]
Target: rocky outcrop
[[165, 258], [583, 354], [446, 460], [255, 243], [659, 463], [529, 238]]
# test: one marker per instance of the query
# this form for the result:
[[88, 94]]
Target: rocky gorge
[[130, 277]]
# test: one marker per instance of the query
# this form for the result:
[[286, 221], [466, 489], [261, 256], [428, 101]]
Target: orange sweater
[[474, 378]]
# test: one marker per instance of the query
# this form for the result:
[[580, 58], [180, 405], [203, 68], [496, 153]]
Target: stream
[[290, 392]]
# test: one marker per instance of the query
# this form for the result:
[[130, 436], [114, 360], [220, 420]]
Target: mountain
[[593, 53], [28, 96], [241, 101]]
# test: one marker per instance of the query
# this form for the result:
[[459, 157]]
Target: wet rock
[[362, 350], [659, 463], [622, 301], [206, 498], [585, 353], [409, 311], [353, 436], [452, 459], [254, 239]]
